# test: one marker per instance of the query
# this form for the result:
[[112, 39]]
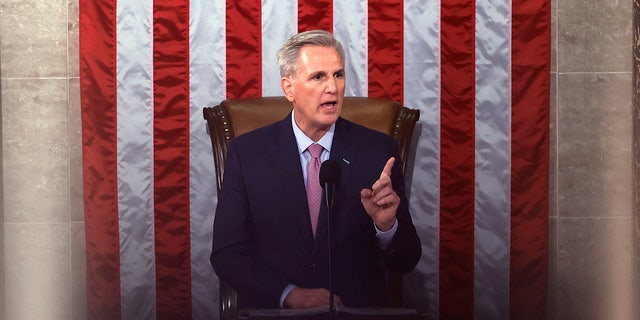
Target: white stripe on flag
[[350, 27], [135, 158], [492, 169], [422, 91], [279, 22], [207, 85]]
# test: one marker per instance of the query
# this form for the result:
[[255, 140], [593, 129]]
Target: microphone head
[[330, 174], [329, 177]]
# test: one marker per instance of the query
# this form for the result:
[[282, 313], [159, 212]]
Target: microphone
[[329, 177], [329, 180]]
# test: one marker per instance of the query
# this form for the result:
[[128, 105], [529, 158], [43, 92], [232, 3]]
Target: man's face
[[317, 90]]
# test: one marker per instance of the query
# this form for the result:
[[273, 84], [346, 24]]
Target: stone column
[[2, 285], [636, 153]]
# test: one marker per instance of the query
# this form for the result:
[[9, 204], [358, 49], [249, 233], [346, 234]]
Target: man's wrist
[[284, 295], [384, 237], [385, 227]]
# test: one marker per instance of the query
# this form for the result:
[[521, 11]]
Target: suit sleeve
[[232, 256], [405, 250]]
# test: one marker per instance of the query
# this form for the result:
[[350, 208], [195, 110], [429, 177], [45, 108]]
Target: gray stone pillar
[[2, 262], [636, 154]]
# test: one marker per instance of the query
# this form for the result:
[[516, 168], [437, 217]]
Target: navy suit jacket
[[262, 238]]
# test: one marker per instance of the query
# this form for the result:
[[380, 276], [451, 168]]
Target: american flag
[[478, 71]]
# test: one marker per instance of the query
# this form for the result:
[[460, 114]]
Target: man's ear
[[287, 87]]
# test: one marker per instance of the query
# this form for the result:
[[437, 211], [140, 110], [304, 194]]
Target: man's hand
[[302, 298], [381, 202]]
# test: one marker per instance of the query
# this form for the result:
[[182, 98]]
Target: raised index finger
[[387, 167]]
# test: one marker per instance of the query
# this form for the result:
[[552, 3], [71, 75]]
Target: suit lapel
[[293, 189], [343, 148]]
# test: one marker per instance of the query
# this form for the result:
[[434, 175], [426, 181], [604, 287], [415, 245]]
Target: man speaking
[[270, 238]]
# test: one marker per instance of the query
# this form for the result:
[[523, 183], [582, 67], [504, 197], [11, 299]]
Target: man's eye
[[339, 75], [317, 77]]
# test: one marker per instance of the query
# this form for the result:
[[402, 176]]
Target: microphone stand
[[332, 307], [330, 180]]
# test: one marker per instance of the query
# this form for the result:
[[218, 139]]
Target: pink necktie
[[314, 190]]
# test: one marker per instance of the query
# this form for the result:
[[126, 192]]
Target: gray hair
[[288, 54]]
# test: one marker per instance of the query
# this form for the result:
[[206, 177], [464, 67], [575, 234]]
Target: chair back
[[234, 117]]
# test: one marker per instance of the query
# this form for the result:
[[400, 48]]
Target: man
[[265, 244]]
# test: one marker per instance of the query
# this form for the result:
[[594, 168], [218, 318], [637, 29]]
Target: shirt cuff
[[285, 293], [385, 237]]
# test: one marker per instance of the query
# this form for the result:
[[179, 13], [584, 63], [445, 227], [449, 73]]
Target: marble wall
[[43, 229], [591, 208], [2, 307], [636, 144], [591, 214]]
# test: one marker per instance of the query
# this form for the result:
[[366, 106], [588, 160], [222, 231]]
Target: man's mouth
[[329, 104]]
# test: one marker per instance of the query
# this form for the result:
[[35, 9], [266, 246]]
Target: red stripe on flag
[[171, 158], [530, 158], [385, 49], [98, 108], [457, 167], [315, 15], [244, 49]]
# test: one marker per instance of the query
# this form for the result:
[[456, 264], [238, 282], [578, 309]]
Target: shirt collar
[[304, 141]]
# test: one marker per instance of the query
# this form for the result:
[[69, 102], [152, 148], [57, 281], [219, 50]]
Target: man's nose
[[331, 85]]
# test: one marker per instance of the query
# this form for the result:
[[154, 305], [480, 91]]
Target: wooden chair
[[234, 117]]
